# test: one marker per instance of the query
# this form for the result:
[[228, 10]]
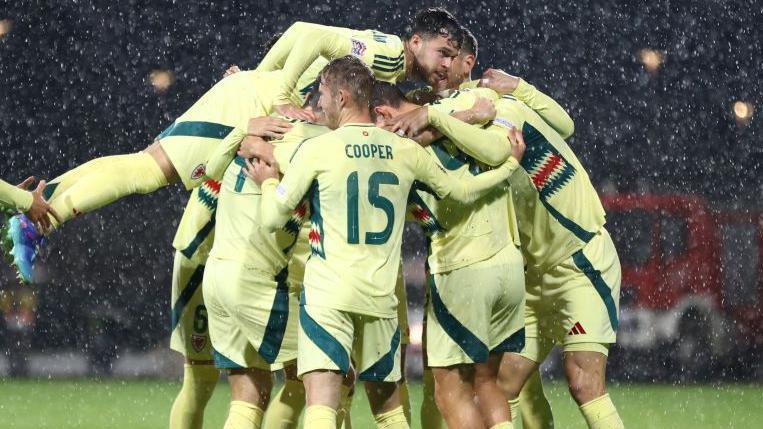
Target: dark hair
[[351, 74], [469, 42], [436, 21], [386, 94]]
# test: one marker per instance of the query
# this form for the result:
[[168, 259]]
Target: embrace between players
[[519, 259]]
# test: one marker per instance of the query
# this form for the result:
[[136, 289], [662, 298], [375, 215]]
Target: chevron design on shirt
[[208, 193], [547, 168]]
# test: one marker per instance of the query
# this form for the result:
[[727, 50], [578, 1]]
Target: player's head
[[388, 101], [346, 87], [312, 102], [461, 69], [434, 40]]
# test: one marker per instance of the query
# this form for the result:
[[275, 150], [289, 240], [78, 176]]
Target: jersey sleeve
[[224, 153], [488, 146], [467, 189], [296, 50], [546, 108], [17, 198], [279, 198]]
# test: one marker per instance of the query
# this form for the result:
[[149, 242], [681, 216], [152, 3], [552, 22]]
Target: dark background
[[74, 86]]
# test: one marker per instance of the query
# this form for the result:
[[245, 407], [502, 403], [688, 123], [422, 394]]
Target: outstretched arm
[[487, 146], [542, 104], [469, 188]]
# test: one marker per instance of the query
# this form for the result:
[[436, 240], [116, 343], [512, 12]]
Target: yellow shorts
[[575, 303], [189, 141], [476, 310], [250, 316], [330, 339], [190, 333]]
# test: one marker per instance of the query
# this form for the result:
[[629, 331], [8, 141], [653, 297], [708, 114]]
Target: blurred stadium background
[[665, 98]]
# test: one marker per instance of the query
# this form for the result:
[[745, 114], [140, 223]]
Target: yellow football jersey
[[239, 234], [305, 42], [556, 204], [461, 235], [357, 179]]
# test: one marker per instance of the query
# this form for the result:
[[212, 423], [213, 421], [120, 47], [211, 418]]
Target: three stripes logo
[[385, 64], [577, 329], [547, 168]]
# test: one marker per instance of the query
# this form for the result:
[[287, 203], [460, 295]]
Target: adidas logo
[[577, 329]]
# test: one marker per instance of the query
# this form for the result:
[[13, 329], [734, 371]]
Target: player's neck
[[354, 116], [411, 73]]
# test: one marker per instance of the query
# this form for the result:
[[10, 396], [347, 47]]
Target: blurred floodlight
[[161, 80], [6, 25], [743, 111], [651, 59]]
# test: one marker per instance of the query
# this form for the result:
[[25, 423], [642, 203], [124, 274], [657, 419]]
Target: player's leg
[[454, 395], [324, 344], [250, 394], [286, 406], [344, 414], [589, 301], [376, 353], [430, 415], [532, 406], [190, 337], [402, 318]]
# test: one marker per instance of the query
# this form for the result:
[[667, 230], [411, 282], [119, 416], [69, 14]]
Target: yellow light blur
[[6, 25], [651, 59], [743, 110], [161, 80]]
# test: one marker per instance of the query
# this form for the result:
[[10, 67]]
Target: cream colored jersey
[[240, 236], [462, 235], [13, 197], [305, 42], [557, 206], [357, 179]]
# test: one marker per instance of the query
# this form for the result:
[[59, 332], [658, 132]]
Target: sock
[[114, 178], [63, 182], [504, 425], [516, 418], [243, 415], [430, 414], [343, 418], [405, 400], [198, 384], [601, 413], [284, 410], [535, 409], [320, 417], [394, 419]]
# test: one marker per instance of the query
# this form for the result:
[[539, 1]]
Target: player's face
[[329, 105], [460, 70], [434, 57]]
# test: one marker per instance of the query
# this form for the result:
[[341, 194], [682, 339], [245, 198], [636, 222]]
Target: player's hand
[[409, 124], [517, 142], [499, 81], [292, 111], [482, 111], [231, 70], [259, 171], [256, 147], [268, 126], [40, 211]]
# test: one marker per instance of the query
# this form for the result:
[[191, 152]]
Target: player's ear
[[470, 60], [382, 113], [415, 42]]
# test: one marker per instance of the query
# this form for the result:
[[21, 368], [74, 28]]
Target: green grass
[[86, 404]]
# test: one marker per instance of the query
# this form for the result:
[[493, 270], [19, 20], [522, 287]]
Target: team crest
[[198, 342], [198, 172], [358, 48]]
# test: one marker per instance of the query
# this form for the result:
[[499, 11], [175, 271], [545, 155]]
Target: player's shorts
[[190, 140], [330, 339], [476, 310], [250, 316], [575, 303], [402, 308], [190, 331]]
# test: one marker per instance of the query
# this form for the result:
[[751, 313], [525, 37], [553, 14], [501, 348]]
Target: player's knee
[[585, 387]]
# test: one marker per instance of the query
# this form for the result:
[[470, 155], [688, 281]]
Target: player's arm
[[487, 146], [542, 104], [224, 153], [15, 197], [30, 202], [299, 46], [469, 188], [280, 197]]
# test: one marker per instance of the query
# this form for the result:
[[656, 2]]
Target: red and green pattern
[[297, 218], [208, 193], [547, 168]]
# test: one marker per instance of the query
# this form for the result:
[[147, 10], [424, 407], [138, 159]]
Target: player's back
[[557, 205], [358, 201]]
